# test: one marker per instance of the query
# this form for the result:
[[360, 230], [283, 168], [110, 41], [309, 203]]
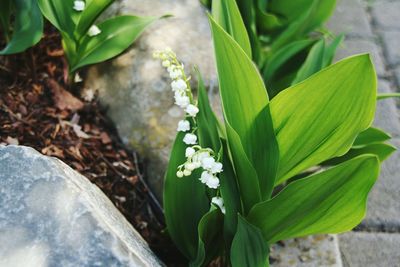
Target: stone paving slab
[[397, 77], [345, 21], [370, 249], [391, 44], [358, 46], [386, 14], [387, 116], [384, 200]]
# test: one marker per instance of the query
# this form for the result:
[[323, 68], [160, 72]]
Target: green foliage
[[322, 122], [27, 28], [84, 46], [285, 36]]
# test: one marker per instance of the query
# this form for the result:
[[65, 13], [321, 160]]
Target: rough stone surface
[[397, 76], [136, 88], [386, 14], [312, 251], [358, 46], [52, 216], [370, 249], [384, 200], [391, 42], [350, 18], [386, 116]]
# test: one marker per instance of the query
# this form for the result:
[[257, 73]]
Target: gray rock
[[311, 251], [391, 44], [136, 88], [351, 18], [357, 46], [370, 249], [397, 77], [52, 216], [386, 14]]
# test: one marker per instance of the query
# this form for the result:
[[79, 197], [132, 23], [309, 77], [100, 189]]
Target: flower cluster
[[196, 156], [79, 6]]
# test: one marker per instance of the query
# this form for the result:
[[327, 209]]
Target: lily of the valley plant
[[84, 40], [302, 163]]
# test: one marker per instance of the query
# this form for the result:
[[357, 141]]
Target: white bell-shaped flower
[[192, 110], [218, 201], [94, 30], [189, 152], [182, 101], [207, 163], [190, 139], [179, 85], [216, 167], [213, 182], [183, 126], [79, 5]]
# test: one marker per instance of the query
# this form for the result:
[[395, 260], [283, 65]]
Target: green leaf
[[382, 151], [117, 34], [249, 249], [246, 110], [320, 117], [60, 14], [230, 194], [206, 120], [330, 50], [289, 9], [313, 62], [28, 27], [210, 237], [387, 95], [371, 136], [333, 201], [89, 15], [226, 13], [5, 15], [185, 202]]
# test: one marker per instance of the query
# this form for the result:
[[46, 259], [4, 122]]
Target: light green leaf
[[246, 110], [226, 13], [332, 201], [370, 136], [117, 34], [320, 117], [381, 150], [249, 249], [185, 202], [27, 28], [387, 95]]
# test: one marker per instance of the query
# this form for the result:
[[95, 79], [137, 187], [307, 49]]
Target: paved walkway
[[373, 26]]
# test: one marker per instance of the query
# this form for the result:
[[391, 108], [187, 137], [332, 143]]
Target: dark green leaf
[[249, 249]]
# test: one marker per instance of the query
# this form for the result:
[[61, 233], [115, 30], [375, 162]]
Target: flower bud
[[179, 174]]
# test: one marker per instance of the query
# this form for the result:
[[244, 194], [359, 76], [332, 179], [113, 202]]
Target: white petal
[[183, 126], [207, 163], [192, 110], [189, 152], [213, 182], [216, 167], [79, 5], [94, 30], [190, 139]]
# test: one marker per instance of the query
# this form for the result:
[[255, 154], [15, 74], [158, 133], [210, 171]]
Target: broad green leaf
[[313, 63], [27, 28], [370, 136], [387, 95], [185, 202], [321, 11], [210, 237], [207, 122], [230, 194], [246, 175], [89, 15], [289, 9], [382, 151], [332, 201], [60, 14], [320, 117], [117, 34], [226, 13], [249, 249], [246, 110]]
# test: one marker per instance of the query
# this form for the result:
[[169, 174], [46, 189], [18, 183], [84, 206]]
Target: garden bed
[[38, 109]]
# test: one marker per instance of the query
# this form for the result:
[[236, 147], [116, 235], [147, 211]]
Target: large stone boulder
[[137, 90], [52, 216]]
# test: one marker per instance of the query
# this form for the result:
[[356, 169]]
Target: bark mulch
[[38, 109]]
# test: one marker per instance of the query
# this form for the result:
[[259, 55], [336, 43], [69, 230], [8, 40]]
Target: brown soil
[[38, 109]]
